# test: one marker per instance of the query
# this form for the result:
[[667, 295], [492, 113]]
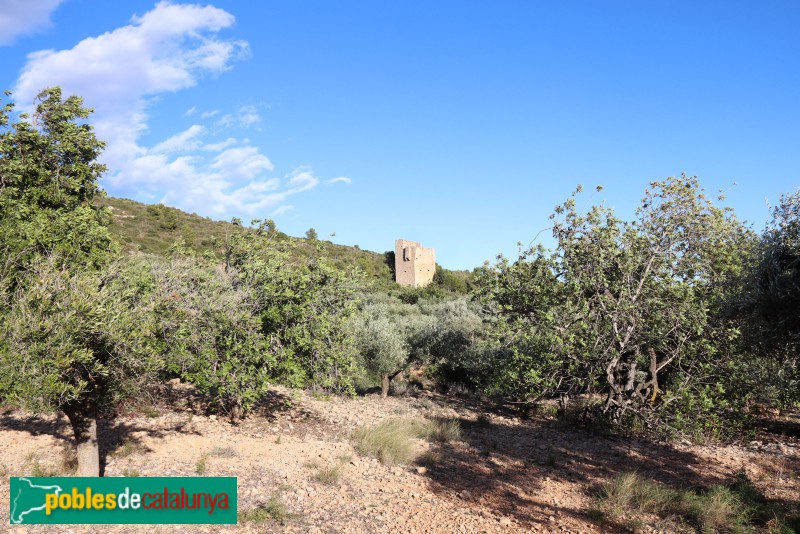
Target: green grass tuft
[[329, 475], [201, 467], [36, 468], [389, 441], [442, 430], [128, 448], [737, 507], [272, 510]]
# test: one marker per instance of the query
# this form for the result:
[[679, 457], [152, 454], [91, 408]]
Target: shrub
[[381, 346], [208, 329], [633, 309]]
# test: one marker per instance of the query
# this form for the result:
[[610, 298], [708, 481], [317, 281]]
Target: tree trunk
[[84, 425], [384, 386]]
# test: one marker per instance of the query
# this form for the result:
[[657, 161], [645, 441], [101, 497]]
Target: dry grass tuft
[[272, 510], [389, 441], [720, 509]]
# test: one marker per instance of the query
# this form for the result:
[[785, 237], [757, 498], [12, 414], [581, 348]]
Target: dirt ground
[[505, 474]]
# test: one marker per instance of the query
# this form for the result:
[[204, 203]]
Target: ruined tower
[[414, 265]]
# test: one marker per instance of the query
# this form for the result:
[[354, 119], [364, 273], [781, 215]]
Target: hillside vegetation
[[155, 228]]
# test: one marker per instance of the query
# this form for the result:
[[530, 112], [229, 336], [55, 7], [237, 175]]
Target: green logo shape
[[146, 500]]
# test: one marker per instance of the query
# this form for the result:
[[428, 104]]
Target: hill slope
[[154, 228]]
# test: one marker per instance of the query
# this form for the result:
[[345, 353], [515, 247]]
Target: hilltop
[[154, 228]]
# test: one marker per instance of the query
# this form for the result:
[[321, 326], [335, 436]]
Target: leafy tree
[[71, 326], [167, 218], [769, 304], [311, 234], [452, 348], [393, 335], [48, 180], [382, 347], [76, 341], [303, 308], [208, 331], [630, 309]]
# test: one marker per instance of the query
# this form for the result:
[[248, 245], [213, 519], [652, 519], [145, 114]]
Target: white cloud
[[222, 145], [248, 116], [302, 179], [282, 209], [244, 162], [121, 73], [185, 141], [165, 50], [341, 179], [191, 111], [22, 17]]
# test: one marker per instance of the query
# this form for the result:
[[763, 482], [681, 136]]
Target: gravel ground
[[504, 475]]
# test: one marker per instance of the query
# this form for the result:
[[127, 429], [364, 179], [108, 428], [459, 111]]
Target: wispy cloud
[[22, 17], [185, 141], [281, 210], [246, 117], [121, 72], [340, 179]]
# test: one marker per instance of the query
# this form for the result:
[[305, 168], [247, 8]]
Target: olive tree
[[77, 341], [382, 347], [208, 331]]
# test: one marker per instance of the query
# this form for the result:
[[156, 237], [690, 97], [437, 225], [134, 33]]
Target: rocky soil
[[504, 475]]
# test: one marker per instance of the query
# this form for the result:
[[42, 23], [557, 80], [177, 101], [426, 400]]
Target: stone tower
[[414, 265]]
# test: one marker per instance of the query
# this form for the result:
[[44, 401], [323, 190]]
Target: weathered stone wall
[[414, 265]]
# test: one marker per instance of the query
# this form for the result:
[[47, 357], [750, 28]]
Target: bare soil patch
[[299, 472]]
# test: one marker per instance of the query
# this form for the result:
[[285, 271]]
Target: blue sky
[[460, 124]]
